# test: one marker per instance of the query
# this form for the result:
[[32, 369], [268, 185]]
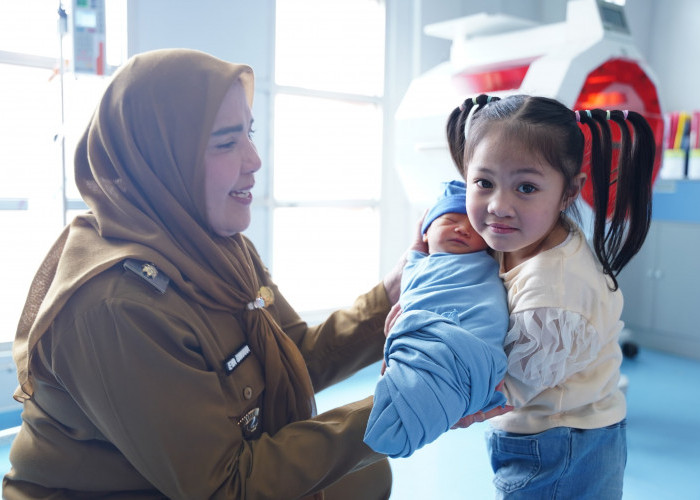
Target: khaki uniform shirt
[[133, 399]]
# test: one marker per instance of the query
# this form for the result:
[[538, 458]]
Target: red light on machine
[[610, 100], [486, 82], [621, 84]]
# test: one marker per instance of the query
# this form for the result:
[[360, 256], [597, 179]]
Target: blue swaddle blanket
[[444, 355]]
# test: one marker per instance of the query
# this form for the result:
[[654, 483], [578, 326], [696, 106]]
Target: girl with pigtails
[[522, 159]]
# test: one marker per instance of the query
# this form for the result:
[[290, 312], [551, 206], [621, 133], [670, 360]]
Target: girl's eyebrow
[[530, 170], [524, 170]]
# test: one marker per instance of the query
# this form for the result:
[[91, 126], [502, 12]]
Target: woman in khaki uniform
[[156, 358]]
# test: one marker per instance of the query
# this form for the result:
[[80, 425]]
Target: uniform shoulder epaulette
[[149, 273]]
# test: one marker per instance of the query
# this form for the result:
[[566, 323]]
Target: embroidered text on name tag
[[235, 359]]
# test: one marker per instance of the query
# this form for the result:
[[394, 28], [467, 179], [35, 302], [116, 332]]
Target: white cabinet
[[661, 289]]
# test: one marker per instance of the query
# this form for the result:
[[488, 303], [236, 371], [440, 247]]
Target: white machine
[[587, 61], [88, 28]]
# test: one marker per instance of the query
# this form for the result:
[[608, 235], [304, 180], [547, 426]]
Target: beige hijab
[[139, 167]]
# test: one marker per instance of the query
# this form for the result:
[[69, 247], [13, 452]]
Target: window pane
[[30, 27], [26, 240], [29, 124], [31, 171], [324, 258], [333, 45], [81, 94], [326, 149]]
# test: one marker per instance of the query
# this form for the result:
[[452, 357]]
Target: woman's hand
[[391, 318], [392, 281], [480, 416]]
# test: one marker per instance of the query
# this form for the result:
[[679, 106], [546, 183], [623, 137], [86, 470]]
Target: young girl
[[522, 160]]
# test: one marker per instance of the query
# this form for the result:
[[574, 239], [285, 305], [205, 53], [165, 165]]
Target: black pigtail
[[600, 178], [623, 204], [456, 123], [636, 188], [455, 134], [616, 241]]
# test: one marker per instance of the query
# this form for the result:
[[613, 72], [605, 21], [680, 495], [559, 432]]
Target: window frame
[[269, 203]]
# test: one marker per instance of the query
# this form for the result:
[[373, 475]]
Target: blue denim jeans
[[560, 463]]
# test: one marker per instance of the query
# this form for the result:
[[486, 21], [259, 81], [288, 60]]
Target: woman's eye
[[251, 132], [484, 184], [226, 145], [527, 188]]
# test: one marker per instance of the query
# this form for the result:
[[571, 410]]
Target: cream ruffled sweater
[[562, 344]]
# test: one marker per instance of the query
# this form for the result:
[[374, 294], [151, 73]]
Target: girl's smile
[[501, 228]]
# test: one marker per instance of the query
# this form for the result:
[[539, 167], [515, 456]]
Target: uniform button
[[248, 392]]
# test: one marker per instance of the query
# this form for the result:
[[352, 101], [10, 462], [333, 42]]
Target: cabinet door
[[676, 280], [637, 284]]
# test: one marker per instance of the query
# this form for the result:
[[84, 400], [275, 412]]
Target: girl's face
[[230, 160], [514, 198], [453, 233]]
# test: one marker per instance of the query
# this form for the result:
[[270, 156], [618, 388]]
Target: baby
[[444, 354]]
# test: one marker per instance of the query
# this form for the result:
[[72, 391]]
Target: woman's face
[[514, 198], [230, 160]]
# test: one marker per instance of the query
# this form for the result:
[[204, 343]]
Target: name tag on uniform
[[235, 359]]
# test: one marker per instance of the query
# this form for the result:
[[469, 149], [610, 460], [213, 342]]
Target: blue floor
[[663, 436]]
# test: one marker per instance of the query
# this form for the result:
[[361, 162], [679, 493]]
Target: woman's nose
[[254, 162]]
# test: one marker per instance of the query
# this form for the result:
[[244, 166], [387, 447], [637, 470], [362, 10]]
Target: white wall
[[670, 35], [667, 34]]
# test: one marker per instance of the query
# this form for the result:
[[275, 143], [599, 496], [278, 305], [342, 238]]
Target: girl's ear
[[574, 190], [425, 237]]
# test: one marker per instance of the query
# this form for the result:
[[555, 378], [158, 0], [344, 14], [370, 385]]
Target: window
[[327, 149], [323, 174], [42, 117]]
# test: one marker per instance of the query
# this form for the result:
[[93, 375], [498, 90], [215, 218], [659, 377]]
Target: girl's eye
[[484, 184], [251, 132], [527, 188]]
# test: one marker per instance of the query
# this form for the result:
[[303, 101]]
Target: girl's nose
[[499, 205]]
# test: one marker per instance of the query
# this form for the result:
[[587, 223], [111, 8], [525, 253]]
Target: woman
[[156, 357]]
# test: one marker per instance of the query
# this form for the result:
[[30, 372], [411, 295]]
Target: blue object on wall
[[676, 200]]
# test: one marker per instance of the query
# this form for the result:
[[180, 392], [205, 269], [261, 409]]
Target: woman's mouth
[[244, 195]]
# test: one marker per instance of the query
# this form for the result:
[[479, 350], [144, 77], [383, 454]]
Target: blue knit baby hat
[[452, 200]]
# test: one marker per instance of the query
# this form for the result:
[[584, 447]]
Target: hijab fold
[[139, 167]]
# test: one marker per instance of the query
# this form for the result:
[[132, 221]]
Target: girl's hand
[[480, 416]]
